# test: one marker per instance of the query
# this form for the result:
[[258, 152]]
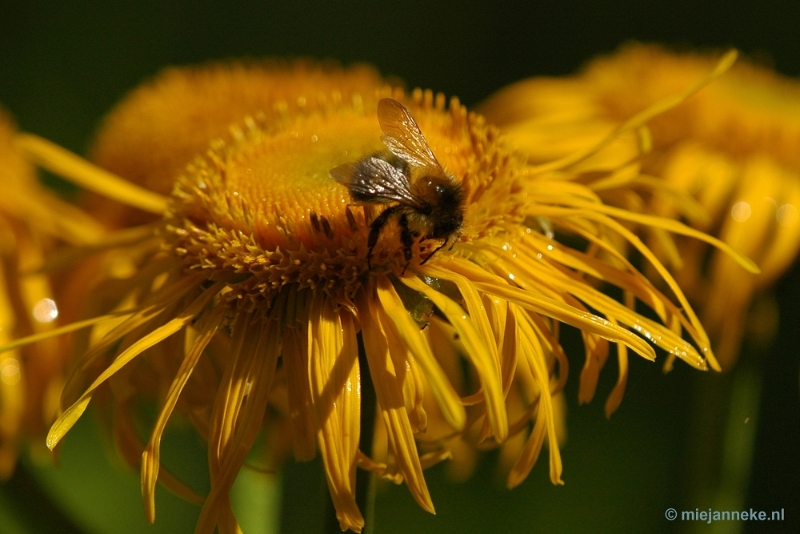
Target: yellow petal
[[549, 307], [545, 419], [392, 405], [408, 331], [73, 413], [151, 456], [128, 443], [81, 172], [238, 414], [643, 117], [652, 331], [626, 278], [295, 362], [596, 350], [473, 329], [674, 227], [144, 317], [615, 397], [71, 327], [12, 409], [336, 392]]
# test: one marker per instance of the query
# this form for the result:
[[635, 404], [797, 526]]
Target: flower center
[[286, 177], [266, 205]]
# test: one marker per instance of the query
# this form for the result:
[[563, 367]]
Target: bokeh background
[[64, 64]]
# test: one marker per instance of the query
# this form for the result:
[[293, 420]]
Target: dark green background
[[63, 64]]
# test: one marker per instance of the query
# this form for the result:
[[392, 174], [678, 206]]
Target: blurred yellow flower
[[31, 220], [728, 155], [266, 285]]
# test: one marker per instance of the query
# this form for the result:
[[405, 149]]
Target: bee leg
[[407, 238], [455, 240], [375, 230], [440, 247]]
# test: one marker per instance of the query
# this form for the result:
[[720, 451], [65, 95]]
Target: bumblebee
[[425, 200]]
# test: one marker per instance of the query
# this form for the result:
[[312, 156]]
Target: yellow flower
[[266, 285], [729, 155], [163, 124], [30, 221]]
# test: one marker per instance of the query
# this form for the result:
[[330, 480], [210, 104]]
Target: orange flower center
[[266, 205]]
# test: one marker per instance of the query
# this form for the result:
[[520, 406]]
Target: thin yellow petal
[[545, 419], [246, 333], [72, 327], [51, 215], [566, 314], [612, 309], [626, 278], [64, 257], [146, 317], [473, 329], [295, 362], [675, 227], [238, 414], [12, 409], [530, 452], [408, 331], [596, 350], [73, 413], [785, 244], [615, 397], [640, 119], [392, 405], [125, 433], [336, 392], [505, 335], [413, 386], [66, 164], [701, 337], [151, 456]]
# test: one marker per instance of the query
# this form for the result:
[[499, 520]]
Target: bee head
[[447, 226]]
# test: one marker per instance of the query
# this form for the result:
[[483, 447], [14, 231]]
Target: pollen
[[288, 171], [264, 204]]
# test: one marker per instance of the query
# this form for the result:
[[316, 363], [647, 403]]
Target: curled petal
[[336, 393], [390, 399], [403, 326]]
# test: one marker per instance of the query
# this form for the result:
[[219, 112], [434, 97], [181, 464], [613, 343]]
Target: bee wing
[[402, 136], [345, 173], [374, 180]]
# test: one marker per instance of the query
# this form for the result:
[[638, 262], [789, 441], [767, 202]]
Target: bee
[[425, 200]]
